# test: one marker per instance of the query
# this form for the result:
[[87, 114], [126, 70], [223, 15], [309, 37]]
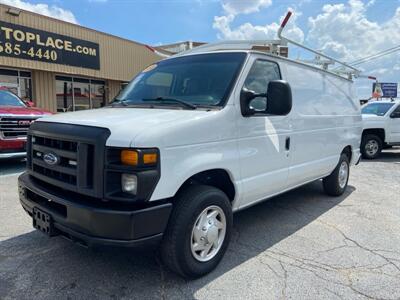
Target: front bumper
[[12, 148], [12, 155], [92, 223]]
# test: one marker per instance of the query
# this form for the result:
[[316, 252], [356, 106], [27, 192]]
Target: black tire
[[331, 183], [176, 244], [366, 140]]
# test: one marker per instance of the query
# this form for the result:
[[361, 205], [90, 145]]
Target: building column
[[44, 90], [113, 89]]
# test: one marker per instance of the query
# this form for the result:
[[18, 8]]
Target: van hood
[[141, 127]]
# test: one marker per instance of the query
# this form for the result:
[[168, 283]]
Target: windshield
[[379, 109], [197, 80], [9, 99]]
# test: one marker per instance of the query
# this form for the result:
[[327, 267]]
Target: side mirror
[[29, 103], [279, 97], [246, 96]]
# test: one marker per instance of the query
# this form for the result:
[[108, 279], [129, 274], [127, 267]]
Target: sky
[[348, 30]]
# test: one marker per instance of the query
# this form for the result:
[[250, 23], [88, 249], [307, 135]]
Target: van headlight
[[131, 174], [129, 183]]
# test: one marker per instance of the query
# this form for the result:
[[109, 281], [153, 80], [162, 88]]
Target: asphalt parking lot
[[300, 245]]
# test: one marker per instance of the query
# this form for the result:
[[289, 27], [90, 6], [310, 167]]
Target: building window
[[97, 93], [75, 94], [25, 86], [81, 94], [17, 82]]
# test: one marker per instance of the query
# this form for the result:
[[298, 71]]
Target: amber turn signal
[[149, 158], [129, 157]]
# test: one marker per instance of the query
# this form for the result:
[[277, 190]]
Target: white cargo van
[[189, 141], [381, 127]]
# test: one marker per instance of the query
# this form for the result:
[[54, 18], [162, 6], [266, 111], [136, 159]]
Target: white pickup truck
[[381, 127]]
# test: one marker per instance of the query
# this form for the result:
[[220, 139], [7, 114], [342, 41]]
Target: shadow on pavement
[[33, 266], [12, 166]]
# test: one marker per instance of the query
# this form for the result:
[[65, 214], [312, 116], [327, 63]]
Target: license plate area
[[42, 221]]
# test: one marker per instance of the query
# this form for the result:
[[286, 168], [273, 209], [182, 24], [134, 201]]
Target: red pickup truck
[[15, 118]]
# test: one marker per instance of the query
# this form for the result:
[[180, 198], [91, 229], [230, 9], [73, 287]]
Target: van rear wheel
[[198, 232], [371, 146], [336, 183]]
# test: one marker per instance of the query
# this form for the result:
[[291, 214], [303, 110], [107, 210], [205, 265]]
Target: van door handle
[[287, 144]]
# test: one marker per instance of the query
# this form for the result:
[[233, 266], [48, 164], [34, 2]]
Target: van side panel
[[325, 119]]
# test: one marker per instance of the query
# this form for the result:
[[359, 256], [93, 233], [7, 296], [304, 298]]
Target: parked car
[[381, 127], [189, 141], [15, 118]]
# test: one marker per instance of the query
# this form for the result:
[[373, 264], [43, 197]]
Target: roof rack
[[344, 68], [271, 46], [275, 47]]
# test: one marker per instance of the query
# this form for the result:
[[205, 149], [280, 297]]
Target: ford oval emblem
[[51, 159]]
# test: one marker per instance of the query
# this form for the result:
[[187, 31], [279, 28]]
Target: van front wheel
[[198, 231], [336, 183]]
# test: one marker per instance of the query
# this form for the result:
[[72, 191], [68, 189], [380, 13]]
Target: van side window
[[261, 73]]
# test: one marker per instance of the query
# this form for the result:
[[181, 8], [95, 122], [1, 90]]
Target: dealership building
[[61, 66]]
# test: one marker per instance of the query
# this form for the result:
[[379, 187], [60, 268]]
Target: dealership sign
[[29, 43], [384, 90]]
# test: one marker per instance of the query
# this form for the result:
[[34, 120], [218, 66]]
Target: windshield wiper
[[167, 99], [119, 101]]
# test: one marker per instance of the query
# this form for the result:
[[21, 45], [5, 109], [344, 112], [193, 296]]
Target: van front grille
[[67, 156], [65, 169]]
